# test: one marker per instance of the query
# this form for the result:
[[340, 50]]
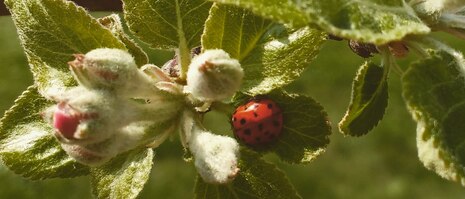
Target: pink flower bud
[[66, 120], [65, 124]]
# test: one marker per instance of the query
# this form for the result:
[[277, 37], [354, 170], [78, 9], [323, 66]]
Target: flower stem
[[224, 108]]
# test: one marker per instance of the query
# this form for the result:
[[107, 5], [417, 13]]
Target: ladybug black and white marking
[[258, 122]]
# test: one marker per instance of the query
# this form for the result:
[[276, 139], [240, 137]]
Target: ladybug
[[258, 122]]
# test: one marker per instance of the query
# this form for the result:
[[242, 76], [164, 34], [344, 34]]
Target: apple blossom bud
[[94, 125], [111, 69], [214, 76], [86, 116], [66, 120], [216, 156]]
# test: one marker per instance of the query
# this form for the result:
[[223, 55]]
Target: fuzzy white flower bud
[[81, 115], [214, 76], [215, 156], [111, 69], [95, 154], [94, 125]]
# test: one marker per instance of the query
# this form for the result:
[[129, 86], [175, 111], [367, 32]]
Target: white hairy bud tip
[[103, 67], [214, 76], [215, 156], [111, 69]]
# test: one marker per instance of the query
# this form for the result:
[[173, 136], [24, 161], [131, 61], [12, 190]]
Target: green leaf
[[235, 30], [168, 24], [306, 128], [369, 100], [27, 144], [165, 24], [124, 176], [51, 31], [278, 10], [434, 90], [369, 21], [113, 22], [271, 55], [256, 179]]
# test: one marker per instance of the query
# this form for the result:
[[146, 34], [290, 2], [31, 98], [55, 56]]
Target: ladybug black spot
[[255, 114], [243, 121], [258, 139], [260, 127], [270, 106], [247, 132]]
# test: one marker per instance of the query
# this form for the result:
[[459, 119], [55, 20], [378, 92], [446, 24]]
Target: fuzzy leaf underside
[[257, 179], [51, 31], [124, 176], [113, 22], [167, 24], [306, 128], [27, 144], [270, 54], [369, 100], [434, 90], [369, 21]]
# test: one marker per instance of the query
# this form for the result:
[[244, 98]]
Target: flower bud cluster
[[118, 107], [109, 112]]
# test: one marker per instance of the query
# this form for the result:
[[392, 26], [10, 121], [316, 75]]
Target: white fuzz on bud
[[111, 69], [430, 6], [96, 154], [214, 76], [115, 108], [215, 156], [94, 125], [85, 116]]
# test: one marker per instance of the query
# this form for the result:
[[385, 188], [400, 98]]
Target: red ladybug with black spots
[[258, 122]]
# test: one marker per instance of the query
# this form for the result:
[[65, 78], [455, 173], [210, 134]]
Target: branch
[[91, 5]]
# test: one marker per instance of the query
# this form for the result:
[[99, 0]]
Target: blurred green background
[[383, 164]]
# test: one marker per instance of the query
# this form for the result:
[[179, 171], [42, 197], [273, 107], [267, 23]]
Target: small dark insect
[[364, 50], [196, 51], [172, 67]]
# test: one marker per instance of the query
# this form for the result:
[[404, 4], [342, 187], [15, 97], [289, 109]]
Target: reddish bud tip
[[78, 61], [65, 123]]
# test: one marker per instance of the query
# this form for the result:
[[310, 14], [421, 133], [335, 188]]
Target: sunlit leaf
[[370, 21], [51, 31], [27, 144], [434, 89], [270, 54], [167, 24], [369, 100], [124, 176], [113, 22]]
